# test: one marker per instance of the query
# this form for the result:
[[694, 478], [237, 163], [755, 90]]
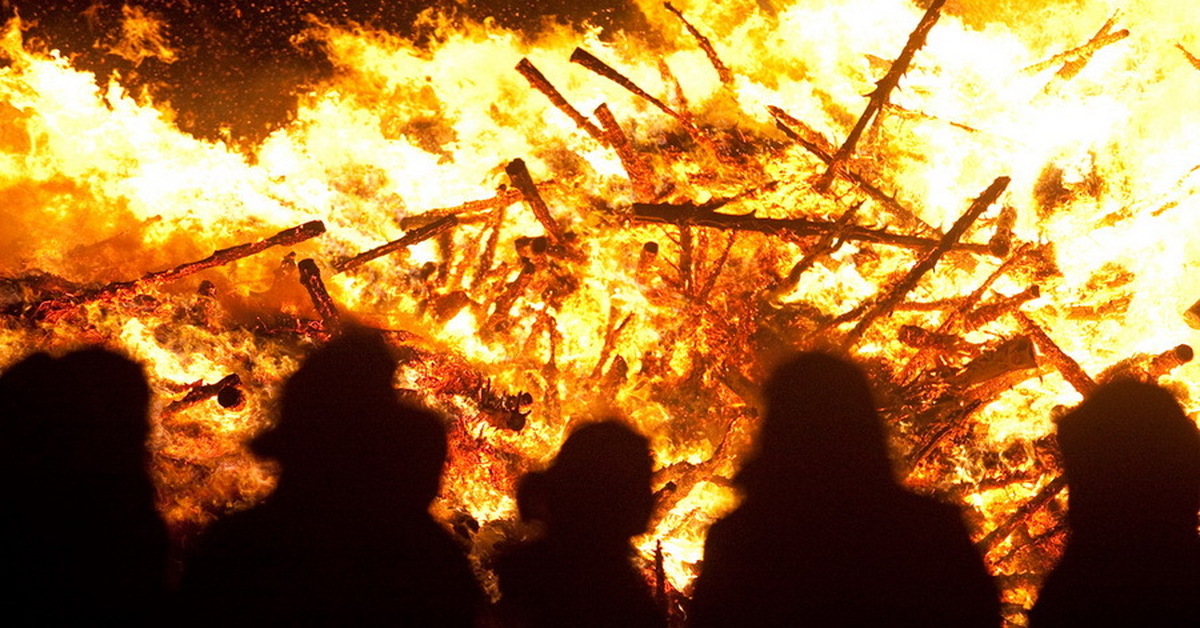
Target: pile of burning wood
[[717, 280]]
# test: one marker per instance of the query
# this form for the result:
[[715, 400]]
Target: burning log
[[1065, 364], [1148, 367], [989, 312], [225, 390], [828, 243], [1075, 59], [524, 182], [1001, 242], [705, 215], [488, 256], [1192, 59], [611, 333], [543, 85], [722, 70], [639, 174], [901, 289], [310, 276], [954, 318], [51, 308], [501, 200], [419, 234], [589, 61], [882, 92], [1044, 496], [498, 320], [820, 147]]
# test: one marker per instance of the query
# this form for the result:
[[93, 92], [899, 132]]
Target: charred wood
[[705, 216], [1047, 493], [502, 199], [815, 143], [639, 173], [225, 390], [419, 234], [498, 320], [1074, 59], [1001, 242], [706, 45], [1065, 364], [543, 85], [589, 61], [1147, 367], [900, 290], [883, 91], [1192, 59], [524, 182], [953, 320], [310, 276], [993, 310], [50, 308]]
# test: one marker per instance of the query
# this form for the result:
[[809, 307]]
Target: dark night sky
[[237, 65]]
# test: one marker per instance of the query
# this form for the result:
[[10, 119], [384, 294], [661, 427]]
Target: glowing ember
[[553, 297]]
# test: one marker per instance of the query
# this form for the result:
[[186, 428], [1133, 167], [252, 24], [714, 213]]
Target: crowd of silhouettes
[[825, 535]]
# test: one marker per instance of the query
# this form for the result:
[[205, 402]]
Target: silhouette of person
[[346, 538], [592, 500], [82, 542], [1132, 462], [825, 536]]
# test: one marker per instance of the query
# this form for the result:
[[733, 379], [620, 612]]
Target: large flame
[[1088, 107]]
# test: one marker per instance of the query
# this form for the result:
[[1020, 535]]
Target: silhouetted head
[[598, 485], [820, 429], [343, 436], [109, 400], [84, 414], [1132, 462]]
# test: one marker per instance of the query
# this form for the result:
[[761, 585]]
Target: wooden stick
[[521, 179], [1070, 369], [1190, 57], [587, 60], [704, 216], [722, 70], [639, 174], [419, 234], [201, 392], [310, 277], [1101, 39], [540, 83], [883, 91], [1006, 527], [901, 289], [287, 237], [502, 199], [820, 147], [952, 320], [828, 243]]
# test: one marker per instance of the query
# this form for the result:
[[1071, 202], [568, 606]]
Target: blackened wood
[[522, 180], [900, 290], [814, 143], [589, 61], [52, 307], [704, 216], [1065, 364], [639, 173], [310, 277], [706, 45], [883, 91], [543, 85], [420, 234]]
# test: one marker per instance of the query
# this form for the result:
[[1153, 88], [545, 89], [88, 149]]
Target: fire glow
[[643, 254]]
